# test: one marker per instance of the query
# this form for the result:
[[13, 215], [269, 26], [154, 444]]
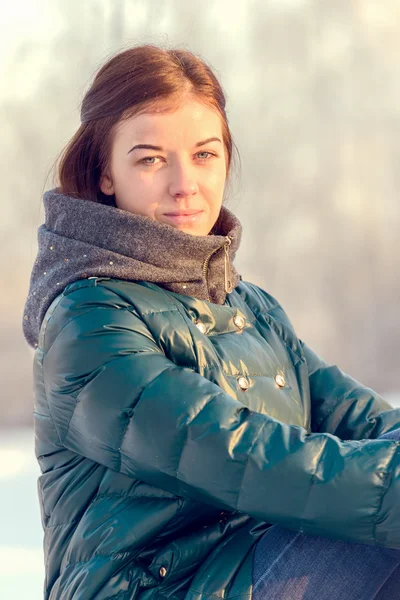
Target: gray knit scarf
[[81, 239]]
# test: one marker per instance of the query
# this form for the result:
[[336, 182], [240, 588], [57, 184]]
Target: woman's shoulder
[[81, 298]]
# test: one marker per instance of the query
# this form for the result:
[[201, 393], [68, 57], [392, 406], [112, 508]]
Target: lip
[[183, 213], [183, 216]]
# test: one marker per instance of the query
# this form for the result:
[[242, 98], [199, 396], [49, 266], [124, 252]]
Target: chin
[[198, 233], [197, 226], [193, 230]]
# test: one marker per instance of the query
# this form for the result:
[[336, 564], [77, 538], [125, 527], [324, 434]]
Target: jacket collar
[[81, 239]]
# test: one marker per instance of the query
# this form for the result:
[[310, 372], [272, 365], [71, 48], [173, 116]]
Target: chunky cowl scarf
[[81, 239]]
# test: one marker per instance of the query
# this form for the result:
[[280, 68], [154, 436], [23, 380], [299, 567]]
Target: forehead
[[185, 123]]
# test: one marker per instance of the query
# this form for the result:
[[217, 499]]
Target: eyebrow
[[160, 149]]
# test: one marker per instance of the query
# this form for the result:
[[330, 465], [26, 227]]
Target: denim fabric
[[395, 435], [290, 565]]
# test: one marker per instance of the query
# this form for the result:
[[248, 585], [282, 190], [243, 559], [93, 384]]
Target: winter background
[[313, 92]]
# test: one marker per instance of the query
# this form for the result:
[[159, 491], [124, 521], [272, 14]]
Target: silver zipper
[[227, 270]]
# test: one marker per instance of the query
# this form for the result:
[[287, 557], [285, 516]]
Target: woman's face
[[180, 181]]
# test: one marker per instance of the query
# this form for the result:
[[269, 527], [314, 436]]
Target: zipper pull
[[228, 280]]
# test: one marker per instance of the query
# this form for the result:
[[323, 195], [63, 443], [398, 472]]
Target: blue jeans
[[289, 565]]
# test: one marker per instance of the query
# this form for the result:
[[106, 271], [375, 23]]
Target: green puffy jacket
[[171, 432]]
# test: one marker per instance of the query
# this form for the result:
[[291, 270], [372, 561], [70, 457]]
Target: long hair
[[144, 78]]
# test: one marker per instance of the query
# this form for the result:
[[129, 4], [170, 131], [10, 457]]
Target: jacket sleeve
[[344, 407], [115, 398]]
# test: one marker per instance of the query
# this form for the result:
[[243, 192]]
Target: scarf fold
[[81, 239]]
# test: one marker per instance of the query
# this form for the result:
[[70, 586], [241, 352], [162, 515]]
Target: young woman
[[191, 446]]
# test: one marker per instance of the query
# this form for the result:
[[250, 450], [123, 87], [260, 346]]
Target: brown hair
[[144, 78]]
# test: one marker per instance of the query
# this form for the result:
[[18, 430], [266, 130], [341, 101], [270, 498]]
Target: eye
[[205, 152], [146, 158]]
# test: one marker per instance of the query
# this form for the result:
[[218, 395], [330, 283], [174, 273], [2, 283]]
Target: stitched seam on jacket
[[47, 400], [129, 421], [312, 373], [76, 402], [383, 492], [334, 407], [146, 313], [175, 571], [99, 555], [120, 495], [321, 367], [296, 358], [43, 334], [252, 308], [119, 449], [175, 306], [71, 320], [255, 310], [187, 432], [63, 524], [38, 414], [312, 481], [172, 366], [120, 595], [272, 323], [244, 374], [127, 308], [55, 339], [46, 576], [193, 346], [248, 460], [179, 308]]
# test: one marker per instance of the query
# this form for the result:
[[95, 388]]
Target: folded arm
[[115, 398]]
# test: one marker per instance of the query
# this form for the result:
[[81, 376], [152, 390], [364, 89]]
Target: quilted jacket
[[171, 432]]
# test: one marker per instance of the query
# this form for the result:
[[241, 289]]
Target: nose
[[183, 181]]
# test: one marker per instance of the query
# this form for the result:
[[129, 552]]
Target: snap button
[[163, 572], [239, 321], [201, 327], [243, 383], [280, 380]]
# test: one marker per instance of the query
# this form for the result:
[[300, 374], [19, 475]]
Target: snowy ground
[[21, 557]]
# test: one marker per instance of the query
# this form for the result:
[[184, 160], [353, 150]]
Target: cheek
[[136, 190], [215, 192], [136, 197], [216, 182], [143, 204], [151, 209]]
